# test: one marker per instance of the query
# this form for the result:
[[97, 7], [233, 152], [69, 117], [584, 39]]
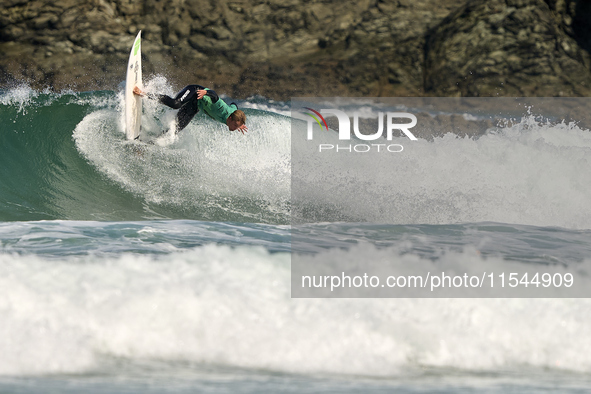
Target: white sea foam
[[529, 173], [265, 104], [231, 307], [21, 96]]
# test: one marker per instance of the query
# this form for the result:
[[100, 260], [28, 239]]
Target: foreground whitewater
[[167, 268]]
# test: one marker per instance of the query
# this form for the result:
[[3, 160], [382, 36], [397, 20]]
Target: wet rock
[[507, 48], [280, 48]]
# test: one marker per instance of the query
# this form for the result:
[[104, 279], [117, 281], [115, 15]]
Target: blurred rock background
[[285, 48]]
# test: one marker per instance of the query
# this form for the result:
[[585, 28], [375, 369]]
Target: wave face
[[64, 156]]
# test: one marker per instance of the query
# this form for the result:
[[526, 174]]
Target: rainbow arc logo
[[316, 119]]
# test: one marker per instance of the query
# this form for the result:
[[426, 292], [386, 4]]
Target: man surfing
[[194, 98]]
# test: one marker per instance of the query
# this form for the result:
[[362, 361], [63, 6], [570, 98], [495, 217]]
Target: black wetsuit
[[186, 102]]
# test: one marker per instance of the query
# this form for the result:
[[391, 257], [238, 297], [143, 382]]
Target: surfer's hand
[[201, 93], [242, 129], [138, 91]]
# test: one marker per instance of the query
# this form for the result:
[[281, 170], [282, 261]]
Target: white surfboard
[[133, 103]]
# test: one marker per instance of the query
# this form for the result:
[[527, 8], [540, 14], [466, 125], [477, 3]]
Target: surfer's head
[[237, 119]]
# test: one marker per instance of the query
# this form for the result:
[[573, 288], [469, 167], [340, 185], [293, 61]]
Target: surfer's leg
[[187, 94], [186, 113]]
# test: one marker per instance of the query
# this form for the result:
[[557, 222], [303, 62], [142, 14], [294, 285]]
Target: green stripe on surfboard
[[136, 46]]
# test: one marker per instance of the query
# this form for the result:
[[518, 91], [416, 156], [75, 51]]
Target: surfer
[[194, 98]]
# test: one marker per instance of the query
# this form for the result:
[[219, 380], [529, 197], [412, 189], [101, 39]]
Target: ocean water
[[165, 267]]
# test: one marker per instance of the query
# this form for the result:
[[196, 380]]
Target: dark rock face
[[505, 47], [284, 48]]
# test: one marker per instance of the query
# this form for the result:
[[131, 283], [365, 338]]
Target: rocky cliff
[[284, 48]]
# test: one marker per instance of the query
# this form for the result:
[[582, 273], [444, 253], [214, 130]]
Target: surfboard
[[133, 103]]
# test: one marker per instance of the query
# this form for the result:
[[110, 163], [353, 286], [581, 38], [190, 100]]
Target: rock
[[280, 48], [45, 21], [504, 47]]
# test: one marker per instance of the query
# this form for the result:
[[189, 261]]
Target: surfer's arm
[[208, 92], [151, 96]]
